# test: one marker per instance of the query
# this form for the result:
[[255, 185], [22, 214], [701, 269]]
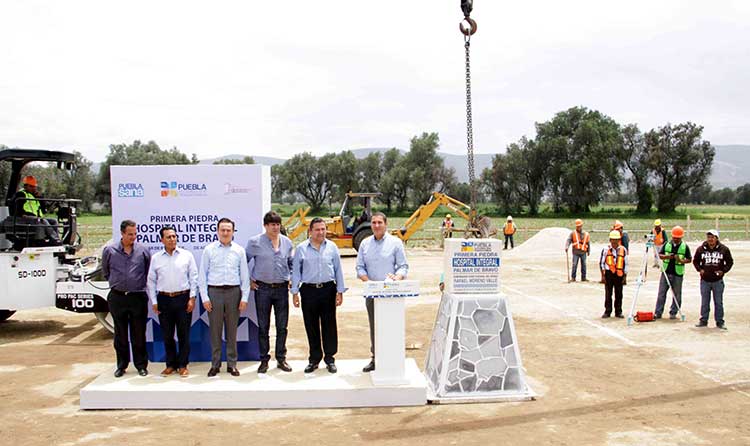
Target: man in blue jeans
[[270, 257], [712, 260]]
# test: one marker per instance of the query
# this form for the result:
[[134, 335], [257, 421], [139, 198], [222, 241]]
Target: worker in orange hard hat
[[29, 210], [625, 239], [579, 239], [613, 264], [447, 226], [674, 256], [660, 238]]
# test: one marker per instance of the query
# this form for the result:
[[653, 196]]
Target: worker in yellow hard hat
[[660, 238], [447, 226], [29, 211], [674, 256], [579, 239], [613, 264]]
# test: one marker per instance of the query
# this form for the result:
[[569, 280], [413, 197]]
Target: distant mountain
[[731, 164]]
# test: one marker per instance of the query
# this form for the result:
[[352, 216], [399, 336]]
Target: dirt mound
[[548, 241]]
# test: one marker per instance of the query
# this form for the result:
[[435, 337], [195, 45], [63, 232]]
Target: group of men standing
[[269, 265], [712, 260]]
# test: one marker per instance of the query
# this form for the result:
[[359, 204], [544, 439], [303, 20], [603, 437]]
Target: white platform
[[350, 387]]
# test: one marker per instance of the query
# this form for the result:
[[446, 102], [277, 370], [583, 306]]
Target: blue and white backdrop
[[192, 198]]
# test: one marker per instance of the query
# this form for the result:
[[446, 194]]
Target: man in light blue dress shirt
[[317, 275], [381, 256], [269, 257], [224, 284]]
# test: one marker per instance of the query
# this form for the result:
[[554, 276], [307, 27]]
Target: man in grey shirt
[[125, 266], [269, 257]]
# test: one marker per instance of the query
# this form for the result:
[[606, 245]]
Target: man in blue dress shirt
[[125, 266], [224, 284], [381, 256], [269, 257], [317, 275]]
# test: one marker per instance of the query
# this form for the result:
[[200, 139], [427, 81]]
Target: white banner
[[192, 198]]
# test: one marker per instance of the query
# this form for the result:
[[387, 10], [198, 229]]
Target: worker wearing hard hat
[[625, 239], [613, 264], [447, 226], [660, 238], [579, 239], [674, 255], [30, 210], [508, 230]]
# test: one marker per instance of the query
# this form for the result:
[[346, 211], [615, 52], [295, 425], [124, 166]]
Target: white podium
[[390, 327]]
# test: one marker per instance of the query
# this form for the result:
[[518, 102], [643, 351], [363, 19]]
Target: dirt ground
[[600, 382]]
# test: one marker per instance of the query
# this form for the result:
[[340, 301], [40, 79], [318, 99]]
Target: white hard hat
[[510, 218]]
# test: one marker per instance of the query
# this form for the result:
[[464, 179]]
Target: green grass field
[[733, 222]]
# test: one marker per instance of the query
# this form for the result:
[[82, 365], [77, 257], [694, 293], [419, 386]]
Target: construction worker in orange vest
[[581, 248], [508, 230], [613, 264], [625, 239], [447, 226], [660, 239]]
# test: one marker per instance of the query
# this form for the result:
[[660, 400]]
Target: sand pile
[[548, 241]]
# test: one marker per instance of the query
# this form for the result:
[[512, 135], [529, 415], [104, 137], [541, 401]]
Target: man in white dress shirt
[[172, 285]]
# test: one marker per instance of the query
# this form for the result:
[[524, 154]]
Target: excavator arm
[[415, 222]]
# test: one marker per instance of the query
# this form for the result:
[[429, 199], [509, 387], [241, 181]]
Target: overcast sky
[[275, 78]]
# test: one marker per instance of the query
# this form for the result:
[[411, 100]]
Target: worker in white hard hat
[[508, 230], [447, 226], [613, 264]]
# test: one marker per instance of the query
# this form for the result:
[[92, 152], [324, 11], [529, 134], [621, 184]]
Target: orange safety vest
[[448, 224], [508, 229], [617, 266], [581, 245], [658, 238]]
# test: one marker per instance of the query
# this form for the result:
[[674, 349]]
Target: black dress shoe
[[263, 367], [142, 372], [619, 315], [311, 368], [369, 367], [283, 365], [331, 368], [213, 371], [605, 315], [702, 324], [233, 371], [119, 373]]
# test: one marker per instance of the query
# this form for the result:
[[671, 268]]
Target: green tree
[[310, 177], [635, 158], [680, 161], [371, 172], [743, 194], [389, 181], [529, 164], [426, 167], [583, 163], [499, 184], [244, 160], [345, 173], [137, 153]]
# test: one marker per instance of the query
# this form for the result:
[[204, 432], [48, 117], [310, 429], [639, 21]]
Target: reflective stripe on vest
[[658, 238], [32, 204], [679, 268], [448, 224], [508, 229], [581, 245], [619, 265]]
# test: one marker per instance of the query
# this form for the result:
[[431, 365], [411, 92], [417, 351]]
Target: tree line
[[576, 160]]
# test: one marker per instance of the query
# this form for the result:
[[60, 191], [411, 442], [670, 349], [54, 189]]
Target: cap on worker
[[657, 222], [579, 222], [30, 180], [714, 232], [618, 225], [678, 232], [615, 235], [447, 215], [510, 218]]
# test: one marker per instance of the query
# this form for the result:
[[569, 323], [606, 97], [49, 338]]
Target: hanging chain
[[469, 127], [468, 27]]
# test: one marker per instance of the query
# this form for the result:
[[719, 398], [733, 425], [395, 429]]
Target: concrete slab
[[350, 387]]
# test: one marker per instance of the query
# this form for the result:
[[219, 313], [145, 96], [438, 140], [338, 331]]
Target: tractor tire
[[5, 314], [360, 236], [105, 319]]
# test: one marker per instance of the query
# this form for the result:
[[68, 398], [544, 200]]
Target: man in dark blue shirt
[[125, 266]]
